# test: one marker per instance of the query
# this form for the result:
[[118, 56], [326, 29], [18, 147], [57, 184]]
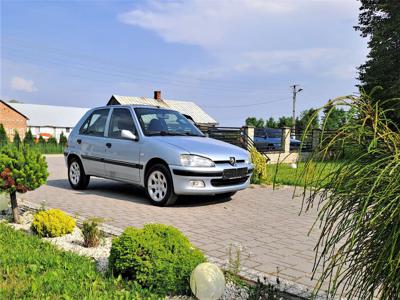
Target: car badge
[[232, 161]]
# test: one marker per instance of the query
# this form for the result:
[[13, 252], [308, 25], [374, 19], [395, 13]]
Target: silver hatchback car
[[158, 149]]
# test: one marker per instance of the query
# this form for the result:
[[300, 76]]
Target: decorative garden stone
[[207, 282]]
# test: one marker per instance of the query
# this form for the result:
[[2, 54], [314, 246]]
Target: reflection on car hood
[[207, 147]]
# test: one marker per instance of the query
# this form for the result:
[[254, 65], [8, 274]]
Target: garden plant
[[359, 200], [21, 169], [158, 257], [91, 232], [52, 223]]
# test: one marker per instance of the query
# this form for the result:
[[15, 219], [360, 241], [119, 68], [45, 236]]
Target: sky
[[234, 58]]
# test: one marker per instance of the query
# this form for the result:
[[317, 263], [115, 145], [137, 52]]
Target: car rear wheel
[[76, 175], [159, 186]]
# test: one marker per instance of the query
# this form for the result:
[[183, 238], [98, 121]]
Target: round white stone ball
[[207, 282]]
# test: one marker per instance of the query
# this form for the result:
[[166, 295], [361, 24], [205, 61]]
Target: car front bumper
[[212, 178]]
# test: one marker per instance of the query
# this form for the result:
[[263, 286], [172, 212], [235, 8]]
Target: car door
[[92, 142], [122, 155]]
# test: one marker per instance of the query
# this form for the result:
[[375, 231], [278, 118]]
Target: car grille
[[227, 161], [228, 182]]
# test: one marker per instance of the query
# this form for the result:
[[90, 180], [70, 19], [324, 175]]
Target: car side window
[[121, 119], [96, 123]]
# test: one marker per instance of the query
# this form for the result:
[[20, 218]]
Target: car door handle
[[108, 145], [79, 141]]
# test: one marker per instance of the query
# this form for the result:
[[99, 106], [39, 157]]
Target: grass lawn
[[285, 175], [33, 269]]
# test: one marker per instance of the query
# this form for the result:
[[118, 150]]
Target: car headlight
[[249, 157], [189, 160]]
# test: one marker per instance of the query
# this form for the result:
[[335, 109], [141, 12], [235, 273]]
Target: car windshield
[[155, 121]]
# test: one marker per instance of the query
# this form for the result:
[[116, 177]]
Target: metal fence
[[301, 139], [231, 135], [265, 140]]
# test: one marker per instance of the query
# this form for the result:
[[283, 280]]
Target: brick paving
[[265, 222]]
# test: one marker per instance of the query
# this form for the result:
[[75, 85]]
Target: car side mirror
[[129, 135]]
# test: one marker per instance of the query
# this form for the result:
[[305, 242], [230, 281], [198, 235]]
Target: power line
[[138, 71], [247, 105]]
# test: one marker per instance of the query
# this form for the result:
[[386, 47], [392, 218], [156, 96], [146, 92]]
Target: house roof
[[17, 111], [50, 115], [185, 107]]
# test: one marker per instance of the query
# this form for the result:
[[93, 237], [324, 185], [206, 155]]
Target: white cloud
[[264, 35], [21, 84], [204, 23]]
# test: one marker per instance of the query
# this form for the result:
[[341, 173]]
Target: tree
[[15, 101], [28, 139], [3, 135], [253, 121], [271, 123], [379, 20], [308, 117], [41, 140], [333, 118], [52, 141], [63, 140], [17, 139], [22, 170], [284, 122]]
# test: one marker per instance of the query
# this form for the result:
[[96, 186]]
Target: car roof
[[131, 106]]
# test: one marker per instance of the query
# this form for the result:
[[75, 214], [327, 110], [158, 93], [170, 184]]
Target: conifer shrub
[[21, 169]]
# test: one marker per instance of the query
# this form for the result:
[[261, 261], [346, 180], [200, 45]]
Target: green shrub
[[28, 139], [260, 172], [52, 223], [91, 232], [158, 257], [3, 136], [63, 140], [17, 139]]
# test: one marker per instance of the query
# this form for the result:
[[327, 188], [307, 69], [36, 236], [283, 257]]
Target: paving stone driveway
[[265, 221]]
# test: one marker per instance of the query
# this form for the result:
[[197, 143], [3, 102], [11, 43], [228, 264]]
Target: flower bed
[[70, 247]]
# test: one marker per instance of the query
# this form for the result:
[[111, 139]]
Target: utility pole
[[295, 91]]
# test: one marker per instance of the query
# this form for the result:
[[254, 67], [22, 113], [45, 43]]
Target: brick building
[[12, 120]]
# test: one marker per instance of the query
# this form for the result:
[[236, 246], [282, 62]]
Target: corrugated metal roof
[[50, 115], [184, 107]]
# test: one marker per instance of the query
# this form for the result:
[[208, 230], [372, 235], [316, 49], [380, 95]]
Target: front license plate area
[[234, 173]]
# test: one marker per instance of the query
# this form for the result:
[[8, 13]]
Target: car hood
[[207, 147]]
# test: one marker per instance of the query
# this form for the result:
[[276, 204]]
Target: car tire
[[159, 186], [76, 175]]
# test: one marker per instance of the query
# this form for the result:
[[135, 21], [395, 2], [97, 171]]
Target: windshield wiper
[[163, 133], [193, 134]]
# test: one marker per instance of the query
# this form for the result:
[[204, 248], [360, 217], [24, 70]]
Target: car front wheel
[[76, 175], [159, 186]]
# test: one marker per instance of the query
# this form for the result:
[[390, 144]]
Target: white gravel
[[233, 291], [74, 242]]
